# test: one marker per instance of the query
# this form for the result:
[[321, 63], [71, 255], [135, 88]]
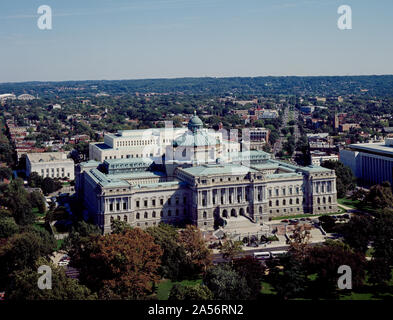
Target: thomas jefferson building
[[198, 184]]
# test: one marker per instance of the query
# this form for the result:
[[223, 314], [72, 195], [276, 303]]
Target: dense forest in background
[[369, 86]]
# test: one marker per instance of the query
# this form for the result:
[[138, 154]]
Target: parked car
[[285, 220]]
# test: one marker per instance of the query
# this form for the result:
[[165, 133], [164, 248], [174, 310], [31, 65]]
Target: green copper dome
[[195, 123]]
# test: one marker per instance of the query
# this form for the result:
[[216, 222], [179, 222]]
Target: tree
[[8, 227], [324, 261], [253, 271], [290, 280], [380, 266], [118, 226], [358, 232], [23, 249], [50, 185], [380, 196], [5, 173], [189, 292], [175, 264], [226, 283], [328, 223], [24, 286], [299, 241], [231, 249], [37, 201], [16, 199], [345, 180], [119, 266], [195, 246], [35, 180]]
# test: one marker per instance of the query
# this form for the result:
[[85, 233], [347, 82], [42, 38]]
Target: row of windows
[[329, 200], [129, 156], [153, 215], [153, 202], [283, 192], [284, 202]]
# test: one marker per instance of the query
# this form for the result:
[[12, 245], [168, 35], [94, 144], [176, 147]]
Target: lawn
[[307, 215], [165, 286], [59, 243], [267, 288], [354, 204]]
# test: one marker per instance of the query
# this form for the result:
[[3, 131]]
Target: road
[[217, 257], [278, 145]]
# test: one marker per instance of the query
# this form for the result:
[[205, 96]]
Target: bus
[[278, 254], [262, 255]]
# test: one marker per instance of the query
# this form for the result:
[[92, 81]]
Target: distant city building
[[317, 157], [371, 163], [26, 97], [259, 137], [50, 164], [345, 127], [7, 96], [307, 109]]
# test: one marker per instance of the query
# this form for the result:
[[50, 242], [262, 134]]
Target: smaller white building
[[50, 164]]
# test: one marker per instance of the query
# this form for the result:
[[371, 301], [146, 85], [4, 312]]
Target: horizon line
[[199, 77]]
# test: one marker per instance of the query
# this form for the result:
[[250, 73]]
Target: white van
[[262, 255], [277, 254]]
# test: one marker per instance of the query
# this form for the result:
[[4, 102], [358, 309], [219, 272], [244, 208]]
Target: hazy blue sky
[[119, 39]]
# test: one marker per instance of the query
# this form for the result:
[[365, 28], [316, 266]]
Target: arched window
[[138, 215], [319, 200], [260, 209], [112, 219], [290, 201], [154, 214], [184, 153], [284, 202], [146, 215], [118, 218], [125, 218], [277, 203], [330, 199], [297, 201], [324, 200], [204, 215], [161, 214]]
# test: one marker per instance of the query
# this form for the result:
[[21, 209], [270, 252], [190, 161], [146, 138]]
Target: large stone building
[[249, 183], [50, 164], [371, 163]]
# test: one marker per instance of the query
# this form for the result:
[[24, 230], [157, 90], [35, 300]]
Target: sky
[[135, 39]]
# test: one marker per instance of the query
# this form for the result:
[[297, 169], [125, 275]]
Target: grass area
[[369, 252], [354, 204], [165, 286], [59, 243], [297, 216], [38, 213], [267, 288], [39, 225]]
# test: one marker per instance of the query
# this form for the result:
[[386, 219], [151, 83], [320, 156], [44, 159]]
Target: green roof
[[198, 138]]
